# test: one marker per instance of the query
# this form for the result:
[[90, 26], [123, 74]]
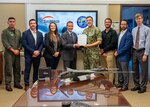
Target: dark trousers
[[123, 78], [70, 64], [136, 60], [28, 64], [52, 62], [12, 65]]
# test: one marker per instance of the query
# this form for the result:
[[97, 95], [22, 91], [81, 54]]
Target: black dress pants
[[136, 61]]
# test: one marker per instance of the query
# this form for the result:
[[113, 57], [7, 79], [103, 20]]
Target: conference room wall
[[15, 10], [114, 13]]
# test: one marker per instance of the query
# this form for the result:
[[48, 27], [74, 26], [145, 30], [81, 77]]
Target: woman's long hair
[[55, 32]]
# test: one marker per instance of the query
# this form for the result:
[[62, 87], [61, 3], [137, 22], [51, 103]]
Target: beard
[[108, 26], [123, 28]]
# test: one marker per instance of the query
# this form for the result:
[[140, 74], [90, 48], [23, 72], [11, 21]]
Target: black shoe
[[135, 89], [8, 88], [119, 86], [141, 91], [124, 89], [18, 86]]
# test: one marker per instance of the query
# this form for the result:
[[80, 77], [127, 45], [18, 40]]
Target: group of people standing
[[32, 41], [138, 41], [106, 48]]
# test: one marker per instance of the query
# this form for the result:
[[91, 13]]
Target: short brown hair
[[69, 22], [125, 21], [11, 18], [109, 19], [32, 20], [89, 17], [138, 15]]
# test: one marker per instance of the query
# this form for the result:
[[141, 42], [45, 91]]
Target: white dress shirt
[[120, 36], [34, 35]]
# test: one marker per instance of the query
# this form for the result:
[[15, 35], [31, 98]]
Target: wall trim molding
[[77, 2]]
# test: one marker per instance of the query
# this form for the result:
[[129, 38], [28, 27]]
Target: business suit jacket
[[28, 42], [69, 53], [125, 47], [49, 46]]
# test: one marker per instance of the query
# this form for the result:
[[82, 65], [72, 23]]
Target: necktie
[[137, 38], [71, 35]]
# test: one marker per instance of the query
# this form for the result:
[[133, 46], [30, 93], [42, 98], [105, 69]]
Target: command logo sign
[[49, 19], [81, 22]]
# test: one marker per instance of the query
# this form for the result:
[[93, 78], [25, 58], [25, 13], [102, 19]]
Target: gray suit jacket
[[69, 53]]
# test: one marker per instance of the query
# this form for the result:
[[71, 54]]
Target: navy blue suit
[[28, 42], [125, 47], [123, 58]]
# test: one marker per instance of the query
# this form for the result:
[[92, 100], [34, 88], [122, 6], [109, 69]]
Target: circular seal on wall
[[81, 22]]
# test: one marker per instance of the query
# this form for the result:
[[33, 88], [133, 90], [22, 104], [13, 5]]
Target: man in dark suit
[[32, 41], [123, 55], [70, 45]]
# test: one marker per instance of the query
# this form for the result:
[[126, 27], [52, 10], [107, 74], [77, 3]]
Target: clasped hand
[[36, 53]]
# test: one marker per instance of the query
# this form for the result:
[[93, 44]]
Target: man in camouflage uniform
[[11, 39], [91, 49]]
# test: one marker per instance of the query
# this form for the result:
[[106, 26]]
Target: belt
[[141, 49]]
